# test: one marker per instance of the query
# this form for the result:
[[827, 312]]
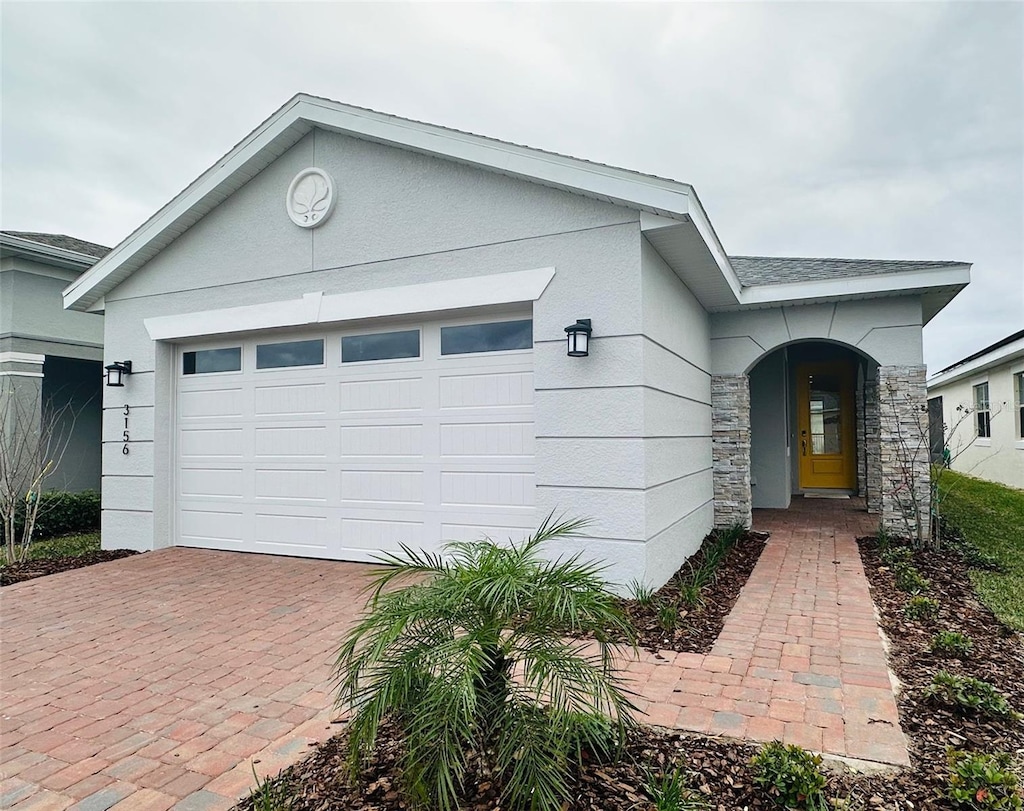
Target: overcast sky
[[867, 130]]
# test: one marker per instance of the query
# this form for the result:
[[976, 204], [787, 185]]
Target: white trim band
[[22, 357], [316, 308]]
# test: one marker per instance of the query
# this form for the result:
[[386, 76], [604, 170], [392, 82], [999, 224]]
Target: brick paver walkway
[[800, 658], [157, 681]]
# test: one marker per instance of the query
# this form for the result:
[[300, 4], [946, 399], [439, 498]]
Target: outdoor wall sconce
[[116, 372], [578, 338]]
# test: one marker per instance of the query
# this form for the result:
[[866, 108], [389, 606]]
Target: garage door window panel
[[291, 353], [378, 346], [498, 336], [211, 361]]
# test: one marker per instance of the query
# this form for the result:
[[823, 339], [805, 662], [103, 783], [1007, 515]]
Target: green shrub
[[691, 596], [969, 695], [895, 555], [979, 559], [951, 643], [981, 781], [921, 608], [438, 655], [63, 513], [668, 616], [671, 792], [909, 579], [790, 776]]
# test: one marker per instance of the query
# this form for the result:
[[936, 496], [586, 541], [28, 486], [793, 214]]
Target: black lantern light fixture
[[116, 372], [578, 338]]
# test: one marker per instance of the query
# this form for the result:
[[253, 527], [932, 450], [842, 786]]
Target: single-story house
[[976, 413], [351, 332], [51, 358]]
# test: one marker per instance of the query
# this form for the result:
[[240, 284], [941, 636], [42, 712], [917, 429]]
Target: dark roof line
[[62, 241], [1009, 339]]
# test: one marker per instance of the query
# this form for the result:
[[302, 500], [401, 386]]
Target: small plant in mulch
[[688, 612], [272, 794], [672, 791], [952, 644], [909, 579], [921, 608], [983, 781], [969, 695], [790, 776]]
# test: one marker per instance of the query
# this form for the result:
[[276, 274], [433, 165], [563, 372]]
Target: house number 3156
[[124, 448]]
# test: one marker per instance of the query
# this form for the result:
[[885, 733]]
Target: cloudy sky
[[870, 130]]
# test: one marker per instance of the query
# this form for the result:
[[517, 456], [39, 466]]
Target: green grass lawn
[[67, 546], [991, 516]]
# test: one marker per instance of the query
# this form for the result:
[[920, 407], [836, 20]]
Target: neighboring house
[[976, 410], [349, 333], [51, 358]]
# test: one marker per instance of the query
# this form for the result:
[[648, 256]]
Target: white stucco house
[[350, 333], [976, 410], [50, 358]]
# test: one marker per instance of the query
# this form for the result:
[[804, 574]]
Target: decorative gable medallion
[[310, 198]]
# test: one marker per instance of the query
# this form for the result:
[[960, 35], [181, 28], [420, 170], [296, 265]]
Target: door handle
[[803, 446]]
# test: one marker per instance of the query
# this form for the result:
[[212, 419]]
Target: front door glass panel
[[826, 414]]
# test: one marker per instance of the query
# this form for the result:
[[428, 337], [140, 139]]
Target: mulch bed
[[997, 657], [30, 569], [698, 628], [719, 768]]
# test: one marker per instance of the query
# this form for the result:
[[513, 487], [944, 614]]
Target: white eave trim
[[619, 186], [317, 308], [1004, 354], [40, 250], [856, 286]]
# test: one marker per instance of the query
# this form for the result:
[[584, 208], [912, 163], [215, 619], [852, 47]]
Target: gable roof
[[758, 270], [1003, 351], [61, 241], [671, 216], [54, 250]]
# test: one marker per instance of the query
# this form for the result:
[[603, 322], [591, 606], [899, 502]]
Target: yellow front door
[[826, 425]]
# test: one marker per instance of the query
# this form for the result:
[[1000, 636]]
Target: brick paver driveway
[[153, 681]]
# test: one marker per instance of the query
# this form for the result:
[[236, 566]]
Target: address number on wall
[[124, 448]]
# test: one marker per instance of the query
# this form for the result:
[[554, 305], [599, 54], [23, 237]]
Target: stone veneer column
[[872, 451], [862, 484], [730, 444], [903, 448]]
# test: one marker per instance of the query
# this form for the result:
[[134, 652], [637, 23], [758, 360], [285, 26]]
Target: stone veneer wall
[[872, 449], [903, 449], [730, 443], [862, 485]]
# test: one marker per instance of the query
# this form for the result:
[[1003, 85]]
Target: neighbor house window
[[380, 346], [207, 361], [292, 353], [500, 336], [1018, 388], [981, 411]]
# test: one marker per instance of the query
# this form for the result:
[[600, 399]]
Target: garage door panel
[[291, 533], [400, 394], [476, 531], [484, 488], [212, 526], [369, 535], [211, 483], [487, 439], [382, 486], [211, 442], [307, 484], [221, 402], [486, 390], [292, 398], [292, 441], [382, 440]]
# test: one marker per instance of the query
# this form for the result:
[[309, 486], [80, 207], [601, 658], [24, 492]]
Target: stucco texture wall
[[622, 435], [1000, 458]]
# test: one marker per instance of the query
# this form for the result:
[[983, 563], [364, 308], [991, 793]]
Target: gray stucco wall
[[678, 492], [769, 453], [622, 435], [887, 330], [38, 322], [72, 394]]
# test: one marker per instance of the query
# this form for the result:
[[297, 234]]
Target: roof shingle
[[760, 270], [62, 241]]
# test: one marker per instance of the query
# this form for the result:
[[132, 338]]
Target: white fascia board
[[888, 283], [317, 308], [703, 225], [1005, 354], [38, 250], [22, 357], [620, 186]]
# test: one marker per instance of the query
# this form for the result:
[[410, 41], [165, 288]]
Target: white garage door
[[341, 444]]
